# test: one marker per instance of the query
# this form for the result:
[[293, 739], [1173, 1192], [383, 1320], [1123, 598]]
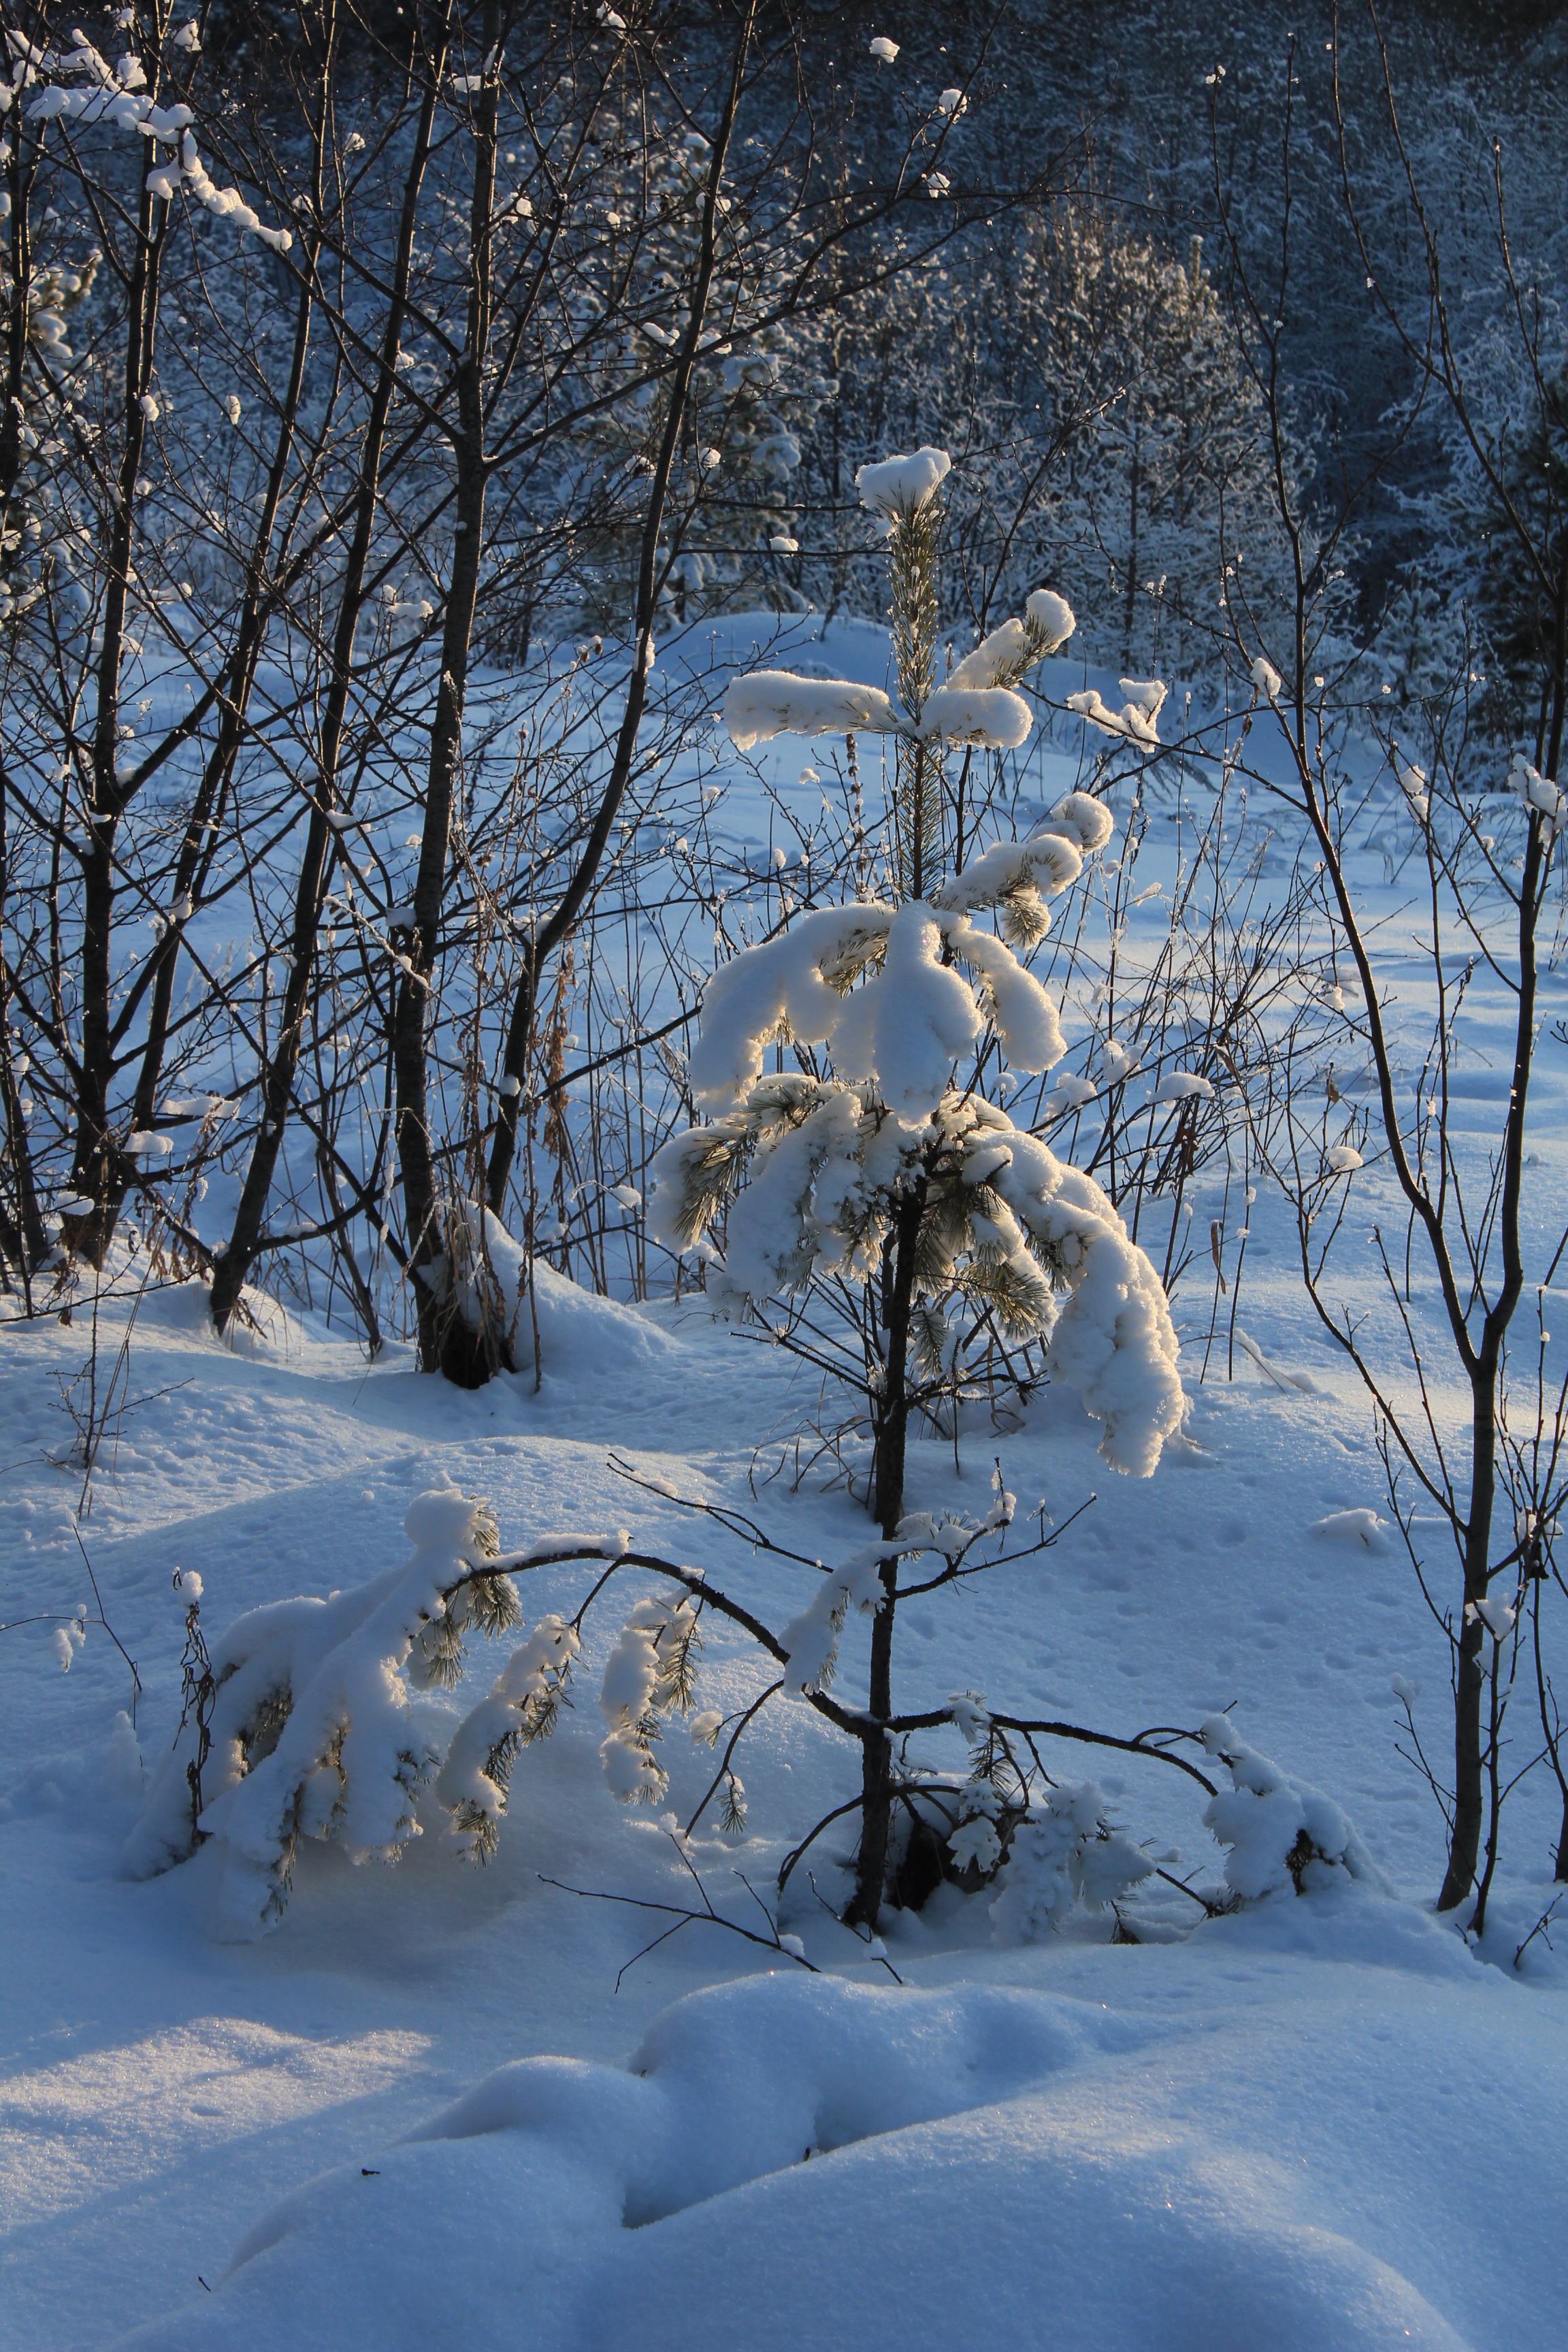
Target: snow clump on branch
[[1138, 719], [904, 485]]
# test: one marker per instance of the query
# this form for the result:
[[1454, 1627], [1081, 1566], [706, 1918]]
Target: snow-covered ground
[[421, 2112]]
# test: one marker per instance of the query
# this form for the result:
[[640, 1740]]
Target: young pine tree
[[881, 1159]]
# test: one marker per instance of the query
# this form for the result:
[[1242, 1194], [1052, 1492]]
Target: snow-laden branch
[[1017, 877], [774, 702], [1138, 719], [1003, 656], [915, 1017], [119, 97]]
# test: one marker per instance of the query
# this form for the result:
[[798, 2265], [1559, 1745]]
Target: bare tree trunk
[[278, 1082], [892, 1437], [446, 1342], [27, 1244], [1470, 1673], [538, 951], [100, 1171]]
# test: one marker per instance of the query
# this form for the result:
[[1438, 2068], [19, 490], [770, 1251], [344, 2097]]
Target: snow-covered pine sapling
[[303, 1726], [1065, 1854], [296, 1722], [524, 1703], [1281, 1833], [882, 1162]]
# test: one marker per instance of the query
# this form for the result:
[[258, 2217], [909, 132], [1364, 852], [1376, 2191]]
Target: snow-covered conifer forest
[[784, 1175]]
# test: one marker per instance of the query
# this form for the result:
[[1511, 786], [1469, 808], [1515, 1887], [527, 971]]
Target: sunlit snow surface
[[1323, 2123]]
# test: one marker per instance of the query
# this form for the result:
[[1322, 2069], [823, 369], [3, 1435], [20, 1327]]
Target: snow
[[109, 99], [907, 1027], [767, 2136], [1540, 795], [1137, 720], [1184, 1086], [987, 714], [343, 1762], [1052, 615], [419, 2106], [1251, 2131], [784, 980], [1012, 875], [1361, 1524], [1280, 1835], [1017, 646], [1413, 783], [901, 485], [772, 702]]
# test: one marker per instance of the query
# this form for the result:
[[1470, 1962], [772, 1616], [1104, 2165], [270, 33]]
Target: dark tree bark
[[315, 870], [446, 1341], [22, 1239], [887, 1501], [537, 951], [100, 1171]]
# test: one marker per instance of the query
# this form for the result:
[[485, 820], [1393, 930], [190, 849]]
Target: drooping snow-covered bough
[[811, 1170]]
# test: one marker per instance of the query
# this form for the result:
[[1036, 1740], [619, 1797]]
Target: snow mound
[[1363, 1527], [582, 1338], [781, 2156]]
